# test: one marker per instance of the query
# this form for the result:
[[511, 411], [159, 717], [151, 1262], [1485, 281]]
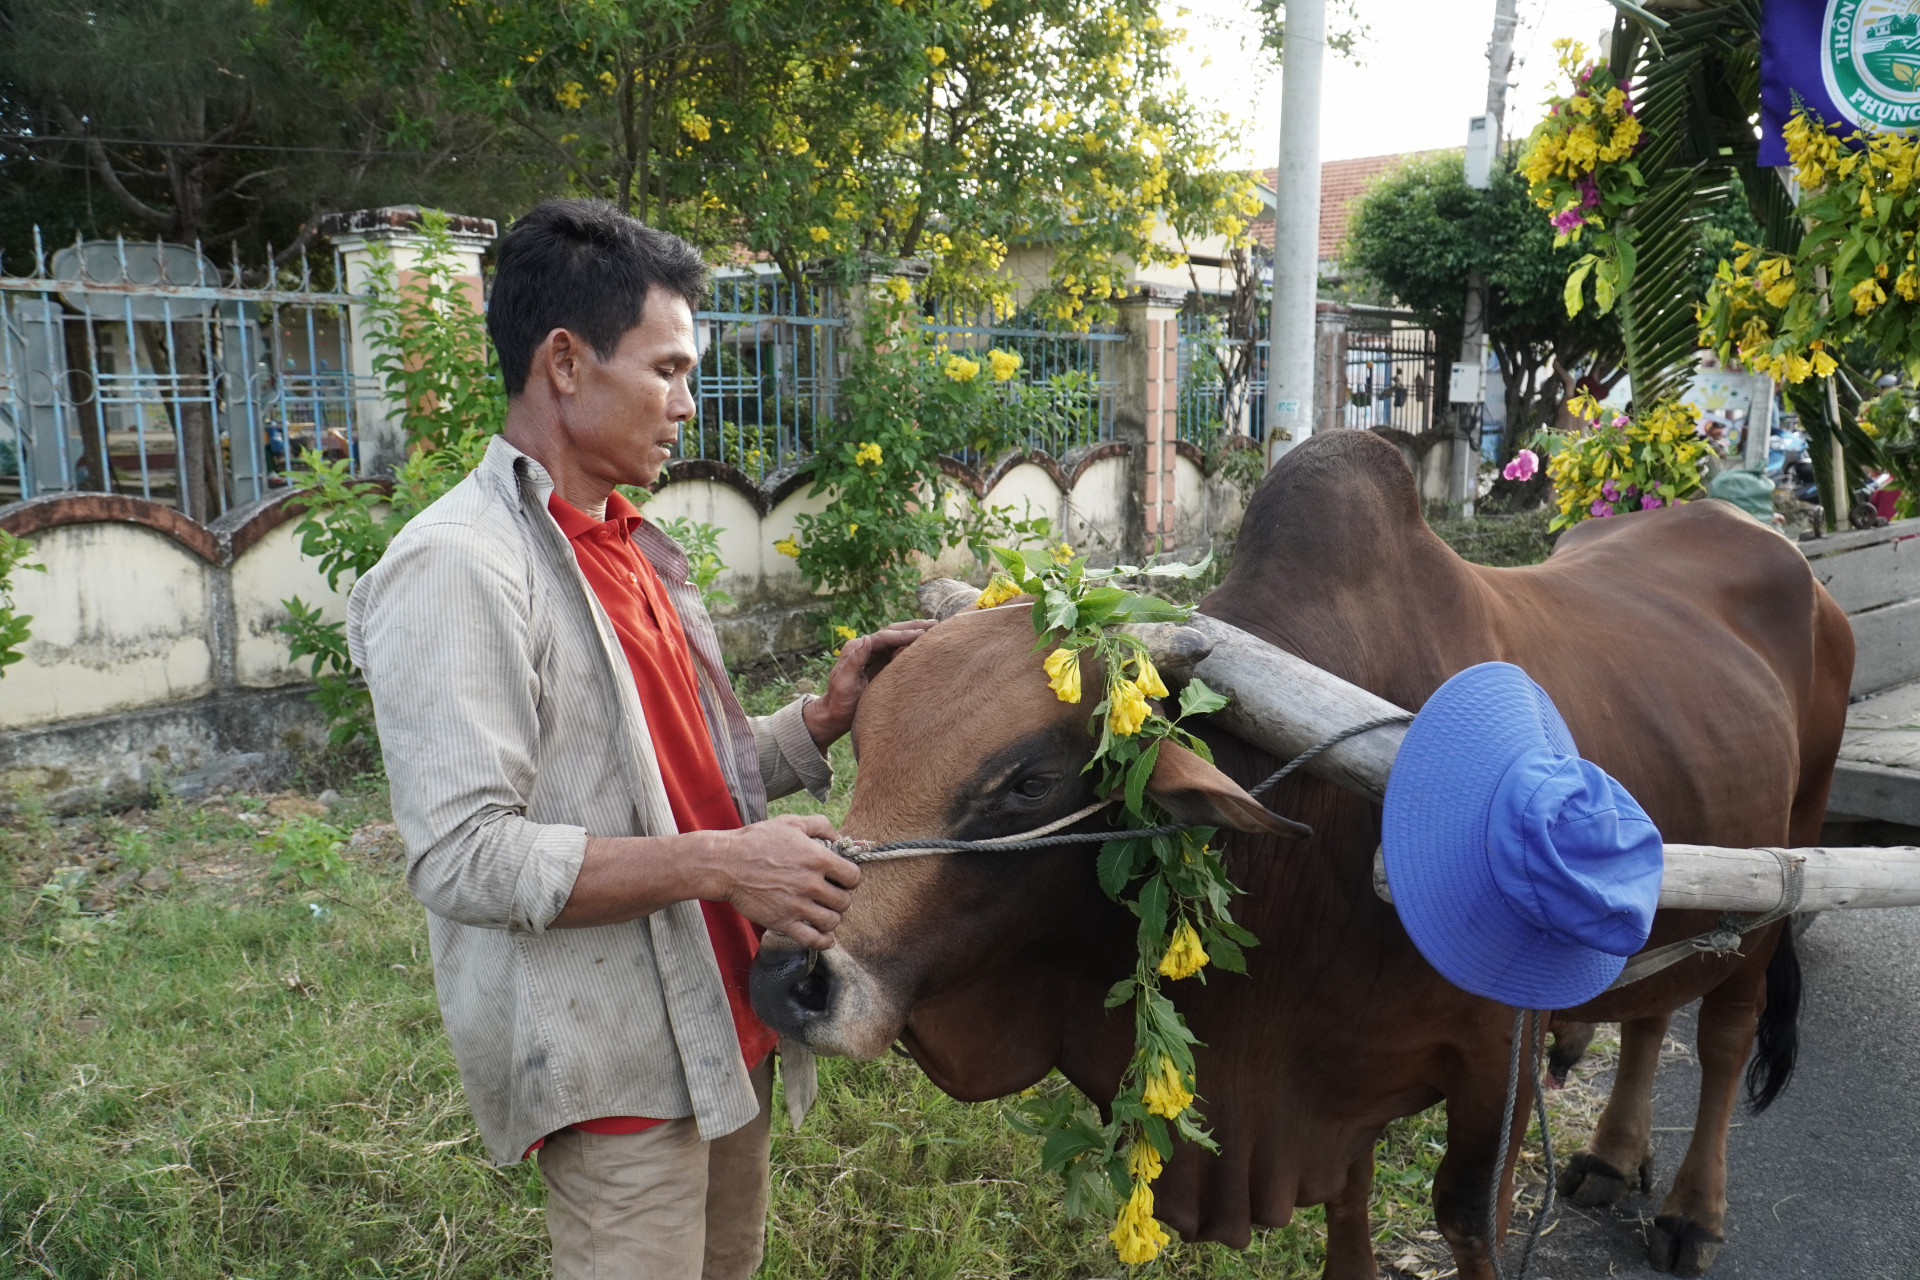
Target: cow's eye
[[1032, 788]]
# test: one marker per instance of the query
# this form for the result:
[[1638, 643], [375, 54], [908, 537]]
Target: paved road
[[1826, 1184]]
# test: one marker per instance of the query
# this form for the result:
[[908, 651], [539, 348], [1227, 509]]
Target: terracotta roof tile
[[1342, 183]]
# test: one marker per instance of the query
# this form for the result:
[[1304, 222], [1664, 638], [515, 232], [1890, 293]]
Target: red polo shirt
[[643, 617]]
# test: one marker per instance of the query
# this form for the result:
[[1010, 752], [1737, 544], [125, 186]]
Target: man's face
[[623, 418]]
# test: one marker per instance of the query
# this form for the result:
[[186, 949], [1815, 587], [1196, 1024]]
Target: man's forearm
[[626, 877]]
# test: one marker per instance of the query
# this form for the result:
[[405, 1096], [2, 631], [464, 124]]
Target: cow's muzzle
[[823, 999]]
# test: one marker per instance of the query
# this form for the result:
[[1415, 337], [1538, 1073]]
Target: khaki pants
[[660, 1204]]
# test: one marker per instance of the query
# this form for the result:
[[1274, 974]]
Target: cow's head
[[989, 967]]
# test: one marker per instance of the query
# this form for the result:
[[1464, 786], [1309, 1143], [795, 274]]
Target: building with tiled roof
[[1342, 183]]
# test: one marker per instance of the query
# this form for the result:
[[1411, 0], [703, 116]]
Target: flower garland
[[1176, 885], [1855, 275], [1619, 464], [1579, 167]]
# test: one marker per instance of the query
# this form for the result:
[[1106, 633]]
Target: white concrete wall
[[127, 619], [119, 622]]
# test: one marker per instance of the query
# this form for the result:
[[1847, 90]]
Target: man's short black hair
[[584, 266]]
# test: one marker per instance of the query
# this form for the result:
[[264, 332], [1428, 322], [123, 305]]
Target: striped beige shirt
[[512, 729]]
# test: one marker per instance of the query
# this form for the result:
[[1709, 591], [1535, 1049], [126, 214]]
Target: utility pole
[[1483, 154], [1296, 231]]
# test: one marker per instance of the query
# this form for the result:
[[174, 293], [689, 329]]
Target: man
[[582, 799]]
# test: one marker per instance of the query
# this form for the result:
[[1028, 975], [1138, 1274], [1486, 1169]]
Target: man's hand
[[781, 877], [775, 873], [831, 714]]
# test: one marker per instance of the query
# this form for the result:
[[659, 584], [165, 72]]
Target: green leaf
[[1196, 699], [1628, 260], [1138, 775], [1119, 993], [1222, 952], [1115, 865], [1061, 611], [1576, 284]]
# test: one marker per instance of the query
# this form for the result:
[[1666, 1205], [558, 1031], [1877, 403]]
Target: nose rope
[[1044, 837]]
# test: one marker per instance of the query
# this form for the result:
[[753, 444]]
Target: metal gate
[[144, 369], [1389, 375]]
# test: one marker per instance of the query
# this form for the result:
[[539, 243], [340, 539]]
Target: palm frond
[[1694, 90]]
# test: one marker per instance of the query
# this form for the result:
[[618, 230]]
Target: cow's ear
[[1195, 792]]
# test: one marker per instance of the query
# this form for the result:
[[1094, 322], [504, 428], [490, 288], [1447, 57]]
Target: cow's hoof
[[1682, 1247], [1592, 1183]]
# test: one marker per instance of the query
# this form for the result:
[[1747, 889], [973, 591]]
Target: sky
[[1418, 75]]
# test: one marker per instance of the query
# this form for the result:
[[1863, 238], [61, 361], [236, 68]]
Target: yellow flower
[[1185, 956], [1866, 296], [1148, 678], [1143, 1162], [853, 529], [1166, 1094], [867, 453], [899, 288], [1129, 709], [819, 234], [571, 95], [1062, 553], [1823, 365], [961, 369], [1063, 674], [1005, 364], [788, 547], [845, 633], [936, 55], [1000, 589], [1136, 1237]]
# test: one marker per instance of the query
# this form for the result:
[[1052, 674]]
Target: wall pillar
[[362, 237], [1146, 414], [1330, 366]]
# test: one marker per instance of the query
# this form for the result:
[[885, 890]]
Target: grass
[[207, 1071], [1500, 540]]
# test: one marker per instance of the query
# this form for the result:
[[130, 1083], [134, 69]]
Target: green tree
[[194, 120], [829, 131], [1421, 230]]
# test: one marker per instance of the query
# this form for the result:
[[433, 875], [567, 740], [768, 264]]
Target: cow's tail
[[1777, 1043]]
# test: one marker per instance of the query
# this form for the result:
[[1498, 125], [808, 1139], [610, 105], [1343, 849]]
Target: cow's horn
[[941, 598], [1175, 649]]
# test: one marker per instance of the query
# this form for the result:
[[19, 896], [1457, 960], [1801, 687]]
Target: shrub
[[13, 626], [907, 400]]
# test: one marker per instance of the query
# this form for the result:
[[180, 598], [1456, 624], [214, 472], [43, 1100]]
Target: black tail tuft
[[1777, 1043]]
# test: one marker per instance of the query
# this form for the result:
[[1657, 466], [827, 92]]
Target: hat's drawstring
[[1537, 1044]]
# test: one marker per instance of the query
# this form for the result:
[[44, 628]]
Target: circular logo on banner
[[1870, 59]]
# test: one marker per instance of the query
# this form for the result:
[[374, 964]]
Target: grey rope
[[1724, 938], [1537, 1043], [1351, 731], [1043, 837]]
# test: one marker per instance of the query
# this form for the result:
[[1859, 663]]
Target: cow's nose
[[791, 990]]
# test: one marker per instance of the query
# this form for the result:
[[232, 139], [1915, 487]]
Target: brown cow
[[1694, 657]]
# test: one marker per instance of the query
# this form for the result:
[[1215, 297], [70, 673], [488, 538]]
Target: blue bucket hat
[[1522, 872]]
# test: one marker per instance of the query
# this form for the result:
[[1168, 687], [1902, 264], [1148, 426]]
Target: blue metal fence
[[1220, 394], [1070, 375], [143, 368], [768, 370]]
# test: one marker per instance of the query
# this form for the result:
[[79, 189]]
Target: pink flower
[[1566, 220], [1649, 502], [1525, 463], [1620, 420], [1589, 192], [1600, 508], [1609, 490]]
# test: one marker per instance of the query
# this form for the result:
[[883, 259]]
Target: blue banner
[[1855, 63]]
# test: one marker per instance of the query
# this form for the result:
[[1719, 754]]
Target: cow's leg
[[1620, 1156], [1691, 1226], [1463, 1182], [1350, 1228]]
